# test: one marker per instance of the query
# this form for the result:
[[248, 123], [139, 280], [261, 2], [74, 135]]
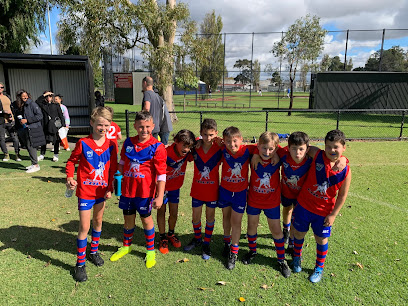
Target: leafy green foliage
[[245, 75], [21, 22], [212, 65], [393, 59], [302, 43]]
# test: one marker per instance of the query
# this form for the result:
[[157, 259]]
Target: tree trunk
[[291, 97]]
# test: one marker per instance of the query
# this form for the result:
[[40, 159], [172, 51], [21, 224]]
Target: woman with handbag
[[53, 120], [28, 126]]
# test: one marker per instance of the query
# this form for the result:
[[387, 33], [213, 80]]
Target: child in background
[[264, 194], [318, 205], [114, 131], [178, 154], [142, 164], [233, 190], [97, 158], [65, 113], [204, 189]]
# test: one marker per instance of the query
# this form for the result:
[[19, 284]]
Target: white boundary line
[[386, 204]]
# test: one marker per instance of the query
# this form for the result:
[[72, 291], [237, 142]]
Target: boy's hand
[[199, 143], [71, 183], [256, 159], [157, 202], [275, 159], [108, 195], [340, 164], [219, 141], [329, 220]]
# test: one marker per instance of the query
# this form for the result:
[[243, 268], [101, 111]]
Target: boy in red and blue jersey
[[318, 205], [264, 195], [142, 164], [295, 165], [178, 154], [234, 187], [97, 159], [204, 189], [114, 132]]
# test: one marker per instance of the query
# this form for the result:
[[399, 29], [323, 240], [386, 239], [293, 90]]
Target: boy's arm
[[158, 200], [312, 151], [341, 198], [70, 167], [112, 170], [160, 164], [340, 164]]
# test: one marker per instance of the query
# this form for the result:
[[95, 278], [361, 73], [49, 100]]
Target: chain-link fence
[[369, 124], [267, 73]]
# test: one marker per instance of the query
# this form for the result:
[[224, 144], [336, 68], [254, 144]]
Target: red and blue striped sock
[[197, 230], [209, 228], [149, 236], [297, 247], [280, 248], [227, 239], [234, 248], [128, 236], [287, 226], [321, 252], [81, 251], [95, 241], [252, 242]]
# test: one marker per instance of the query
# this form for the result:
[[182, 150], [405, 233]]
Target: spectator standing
[[99, 99], [29, 127], [7, 123], [156, 106], [64, 140], [53, 120]]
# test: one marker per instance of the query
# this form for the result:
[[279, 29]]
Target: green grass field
[[366, 263]]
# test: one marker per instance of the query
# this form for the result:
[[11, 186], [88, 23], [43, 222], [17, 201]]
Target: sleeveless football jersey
[[206, 178], [293, 174], [234, 173], [264, 187], [318, 194], [176, 168]]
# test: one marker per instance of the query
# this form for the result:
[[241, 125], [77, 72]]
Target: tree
[[393, 59], [303, 75], [337, 65], [212, 68], [325, 63], [119, 25], [256, 74], [274, 73], [21, 23], [303, 42], [244, 76]]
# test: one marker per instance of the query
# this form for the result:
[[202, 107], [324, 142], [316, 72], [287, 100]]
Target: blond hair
[[101, 111], [267, 137]]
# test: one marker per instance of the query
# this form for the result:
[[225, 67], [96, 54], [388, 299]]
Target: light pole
[[49, 25]]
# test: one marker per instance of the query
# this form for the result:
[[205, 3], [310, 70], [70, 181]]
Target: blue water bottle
[[118, 183]]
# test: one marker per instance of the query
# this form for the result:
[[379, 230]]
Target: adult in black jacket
[[29, 128], [53, 120]]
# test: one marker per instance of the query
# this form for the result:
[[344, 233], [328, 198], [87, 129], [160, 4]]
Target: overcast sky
[[260, 16]]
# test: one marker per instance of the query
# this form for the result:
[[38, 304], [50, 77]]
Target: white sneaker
[[41, 157], [18, 158], [6, 157], [55, 158], [29, 167], [68, 149], [34, 168]]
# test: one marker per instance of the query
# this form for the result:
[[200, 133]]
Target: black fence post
[[338, 119], [402, 124], [266, 120], [201, 118], [127, 123]]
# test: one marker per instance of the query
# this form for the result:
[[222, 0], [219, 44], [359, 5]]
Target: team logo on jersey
[[286, 165], [205, 174], [322, 188], [319, 166], [135, 166], [98, 172], [265, 181], [89, 154], [129, 149], [292, 180], [176, 172], [236, 171], [98, 150], [227, 156]]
